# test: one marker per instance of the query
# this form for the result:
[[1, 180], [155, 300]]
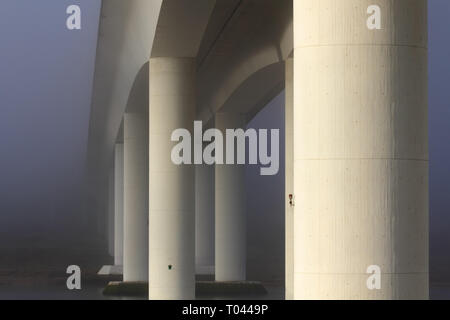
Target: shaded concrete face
[[118, 204], [111, 209], [230, 208], [266, 205], [360, 150], [135, 263], [204, 219], [136, 177], [227, 58], [180, 29]]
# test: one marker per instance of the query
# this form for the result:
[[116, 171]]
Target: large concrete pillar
[[231, 216], [118, 205], [135, 264], [360, 149], [172, 187], [204, 219]]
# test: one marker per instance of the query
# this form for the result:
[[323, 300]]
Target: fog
[[46, 74]]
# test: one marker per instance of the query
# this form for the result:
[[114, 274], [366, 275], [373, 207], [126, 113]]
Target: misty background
[[46, 76]]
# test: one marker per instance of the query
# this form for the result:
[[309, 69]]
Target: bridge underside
[[356, 161]]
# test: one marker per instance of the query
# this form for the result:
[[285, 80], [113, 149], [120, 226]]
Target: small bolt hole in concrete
[[170, 267]]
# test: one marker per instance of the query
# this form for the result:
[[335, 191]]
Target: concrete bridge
[[356, 140]]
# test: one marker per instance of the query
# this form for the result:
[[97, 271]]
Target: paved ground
[[38, 274], [34, 273]]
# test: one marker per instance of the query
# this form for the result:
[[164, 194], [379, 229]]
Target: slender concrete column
[[289, 183], [172, 187], [111, 212], [135, 264], [118, 205], [115, 214], [231, 216], [360, 149], [204, 219]]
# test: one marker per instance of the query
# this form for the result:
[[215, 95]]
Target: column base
[[229, 288], [202, 288], [129, 289], [111, 271], [204, 270]]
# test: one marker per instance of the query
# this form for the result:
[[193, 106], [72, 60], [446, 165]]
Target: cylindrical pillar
[[360, 149], [231, 216], [172, 213], [111, 213], [135, 265], [118, 205], [204, 219]]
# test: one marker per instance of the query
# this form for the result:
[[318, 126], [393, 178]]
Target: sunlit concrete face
[[289, 183], [172, 187], [360, 150]]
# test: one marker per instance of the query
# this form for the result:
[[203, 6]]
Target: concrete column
[[118, 205], [289, 183], [172, 187], [115, 214], [204, 219], [111, 208], [360, 149], [135, 251], [231, 216]]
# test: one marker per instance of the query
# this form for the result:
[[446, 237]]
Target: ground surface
[[40, 274]]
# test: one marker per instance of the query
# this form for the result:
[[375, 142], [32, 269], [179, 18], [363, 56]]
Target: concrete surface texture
[[360, 150], [171, 191]]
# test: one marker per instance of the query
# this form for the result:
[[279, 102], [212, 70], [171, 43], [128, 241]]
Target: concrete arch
[[233, 57], [255, 92], [125, 39], [138, 98]]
